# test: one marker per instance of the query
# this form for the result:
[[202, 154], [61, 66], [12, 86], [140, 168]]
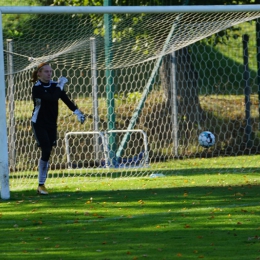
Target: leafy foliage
[[15, 24], [131, 97], [147, 2]]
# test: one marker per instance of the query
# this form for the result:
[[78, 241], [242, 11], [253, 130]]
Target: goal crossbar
[[127, 9]]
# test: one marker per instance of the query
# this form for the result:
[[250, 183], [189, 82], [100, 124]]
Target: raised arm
[[80, 116]]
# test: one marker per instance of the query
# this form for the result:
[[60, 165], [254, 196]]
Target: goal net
[[149, 84]]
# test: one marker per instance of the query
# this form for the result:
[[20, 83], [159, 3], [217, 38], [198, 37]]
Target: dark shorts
[[44, 135]]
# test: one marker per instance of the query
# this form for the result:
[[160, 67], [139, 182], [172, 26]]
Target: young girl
[[45, 95]]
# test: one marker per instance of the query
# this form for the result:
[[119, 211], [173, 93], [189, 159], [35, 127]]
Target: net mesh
[[137, 38], [208, 87]]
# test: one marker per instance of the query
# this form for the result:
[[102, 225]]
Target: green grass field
[[183, 215], [203, 208]]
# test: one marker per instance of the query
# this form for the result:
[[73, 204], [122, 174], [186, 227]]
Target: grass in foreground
[[202, 216]]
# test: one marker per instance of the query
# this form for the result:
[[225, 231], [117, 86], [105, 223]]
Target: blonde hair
[[34, 77]]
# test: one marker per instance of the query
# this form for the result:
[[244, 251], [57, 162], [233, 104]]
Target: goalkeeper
[[45, 95]]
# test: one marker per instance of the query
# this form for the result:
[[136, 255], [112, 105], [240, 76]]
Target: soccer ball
[[206, 139]]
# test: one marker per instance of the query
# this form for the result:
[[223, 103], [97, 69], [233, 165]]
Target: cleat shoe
[[42, 190]]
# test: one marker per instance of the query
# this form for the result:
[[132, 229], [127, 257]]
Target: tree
[[145, 2], [189, 106]]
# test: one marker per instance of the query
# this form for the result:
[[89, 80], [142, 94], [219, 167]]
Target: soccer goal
[[150, 79], [98, 153]]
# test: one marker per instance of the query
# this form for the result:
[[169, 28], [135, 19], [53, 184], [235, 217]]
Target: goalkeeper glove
[[81, 117], [61, 82]]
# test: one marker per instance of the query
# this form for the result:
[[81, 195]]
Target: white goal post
[[4, 168], [4, 171], [104, 147], [127, 9]]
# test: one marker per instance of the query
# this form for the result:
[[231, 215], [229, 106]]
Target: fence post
[[11, 103], [110, 87], [247, 91], [174, 103], [97, 142]]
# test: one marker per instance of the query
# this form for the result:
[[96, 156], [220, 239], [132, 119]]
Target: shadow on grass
[[146, 218]]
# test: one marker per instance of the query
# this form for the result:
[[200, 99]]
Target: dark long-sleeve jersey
[[45, 99]]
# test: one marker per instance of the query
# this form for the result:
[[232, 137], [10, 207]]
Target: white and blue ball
[[206, 139]]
